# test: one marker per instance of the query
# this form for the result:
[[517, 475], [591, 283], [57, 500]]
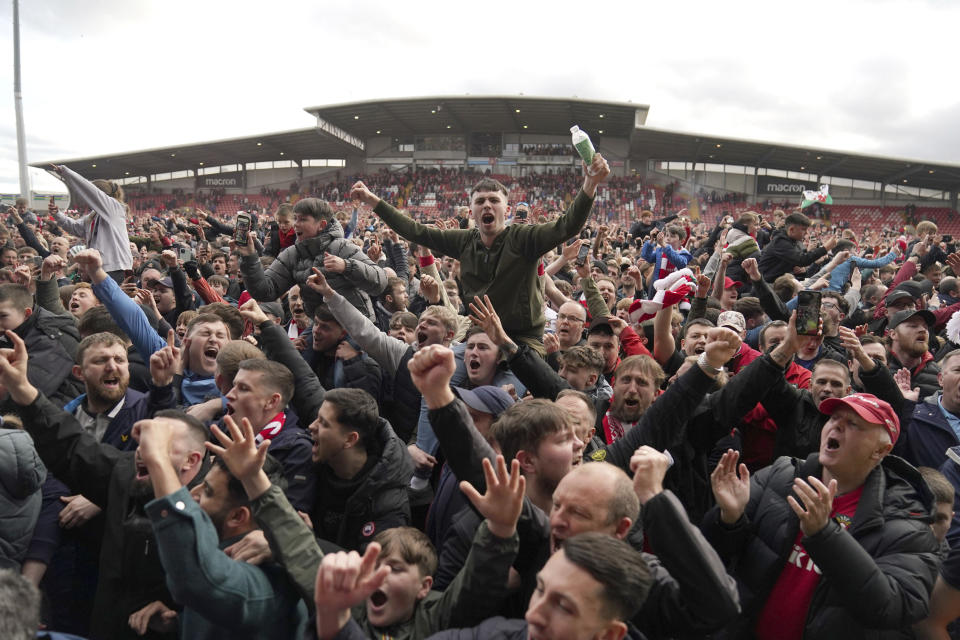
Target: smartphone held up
[[808, 313]]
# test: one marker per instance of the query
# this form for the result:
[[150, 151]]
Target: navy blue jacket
[[925, 434], [136, 406]]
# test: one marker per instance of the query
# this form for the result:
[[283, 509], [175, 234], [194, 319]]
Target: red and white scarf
[[273, 427]]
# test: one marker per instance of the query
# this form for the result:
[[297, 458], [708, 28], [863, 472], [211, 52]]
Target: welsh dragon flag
[[822, 196]]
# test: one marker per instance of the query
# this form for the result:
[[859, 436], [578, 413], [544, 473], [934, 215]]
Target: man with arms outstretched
[[497, 260]]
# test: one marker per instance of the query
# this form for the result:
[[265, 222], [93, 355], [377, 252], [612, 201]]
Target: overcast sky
[[103, 76]]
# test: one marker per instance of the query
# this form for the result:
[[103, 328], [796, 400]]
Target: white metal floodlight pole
[[18, 105]]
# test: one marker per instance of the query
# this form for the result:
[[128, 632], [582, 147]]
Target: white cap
[[574, 128]]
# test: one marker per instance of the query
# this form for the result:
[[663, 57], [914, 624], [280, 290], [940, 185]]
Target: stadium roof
[[467, 114], [658, 144], [285, 145], [342, 130]]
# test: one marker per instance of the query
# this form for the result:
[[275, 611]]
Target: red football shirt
[[784, 615]]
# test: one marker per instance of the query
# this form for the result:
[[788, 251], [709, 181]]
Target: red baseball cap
[[729, 282], [870, 408]]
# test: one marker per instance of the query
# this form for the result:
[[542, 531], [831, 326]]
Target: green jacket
[[222, 597], [474, 595], [507, 271]]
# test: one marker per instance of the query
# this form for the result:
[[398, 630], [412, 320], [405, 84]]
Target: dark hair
[[315, 208], [472, 331], [276, 376], [237, 494], [98, 320], [229, 314], [600, 329], [696, 322], [749, 307], [838, 298], [523, 425], [205, 318], [403, 319], [103, 338], [489, 184], [322, 313], [763, 332], [17, 295], [797, 218], [621, 571], [843, 245], [869, 338], [357, 411], [393, 283]]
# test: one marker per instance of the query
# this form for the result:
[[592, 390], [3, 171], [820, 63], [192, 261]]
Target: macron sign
[[220, 180], [773, 186]]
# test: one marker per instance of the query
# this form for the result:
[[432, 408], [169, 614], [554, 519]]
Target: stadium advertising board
[[221, 181], [773, 186]]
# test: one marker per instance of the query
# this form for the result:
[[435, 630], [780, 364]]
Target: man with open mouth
[[496, 259], [206, 333], [836, 545], [588, 496], [116, 481]]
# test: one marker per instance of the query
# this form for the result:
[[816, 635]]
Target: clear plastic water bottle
[[581, 142]]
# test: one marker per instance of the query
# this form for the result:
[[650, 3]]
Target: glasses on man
[[562, 317], [829, 305]]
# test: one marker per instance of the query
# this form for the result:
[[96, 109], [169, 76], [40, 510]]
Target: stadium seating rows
[[436, 194]]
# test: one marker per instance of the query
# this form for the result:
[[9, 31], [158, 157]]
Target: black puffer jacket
[[378, 502], [783, 254], [876, 575], [131, 575], [51, 342], [21, 477], [361, 279]]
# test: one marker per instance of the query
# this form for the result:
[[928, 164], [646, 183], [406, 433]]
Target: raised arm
[[661, 425], [532, 370], [431, 369], [264, 286], [88, 193], [386, 350], [307, 391], [664, 346], [291, 541], [770, 302], [125, 312], [699, 597], [448, 243], [48, 291], [30, 238]]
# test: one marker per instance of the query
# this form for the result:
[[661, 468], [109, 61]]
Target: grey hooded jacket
[[361, 280], [21, 476]]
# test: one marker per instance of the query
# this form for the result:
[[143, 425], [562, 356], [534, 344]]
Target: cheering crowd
[[515, 423]]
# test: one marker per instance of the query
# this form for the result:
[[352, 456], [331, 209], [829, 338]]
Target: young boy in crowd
[[401, 605], [665, 251], [50, 361]]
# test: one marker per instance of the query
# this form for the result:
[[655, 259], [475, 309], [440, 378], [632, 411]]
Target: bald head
[[618, 494]]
